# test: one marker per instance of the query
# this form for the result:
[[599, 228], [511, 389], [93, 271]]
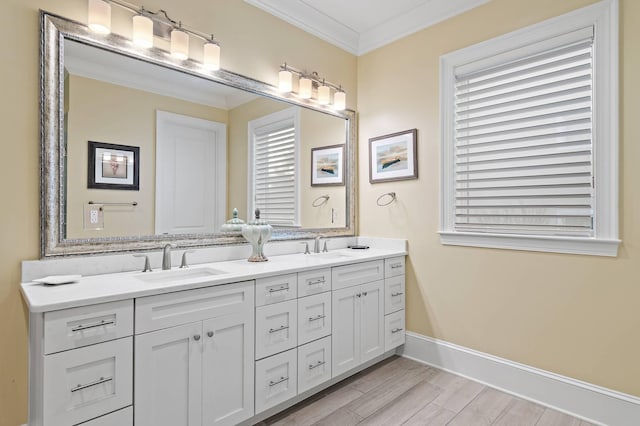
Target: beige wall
[[573, 315], [104, 112], [253, 43]]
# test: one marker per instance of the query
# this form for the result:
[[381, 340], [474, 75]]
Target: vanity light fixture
[[324, 94], [179, 43], [142, 30], [211, 57], [99, 16], [147, 23], [285, 79], [307, 82], [305, 88]]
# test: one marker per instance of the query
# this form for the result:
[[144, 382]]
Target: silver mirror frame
[[53, 31]]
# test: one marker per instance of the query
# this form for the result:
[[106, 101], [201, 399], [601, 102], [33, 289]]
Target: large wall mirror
[[140, 149]]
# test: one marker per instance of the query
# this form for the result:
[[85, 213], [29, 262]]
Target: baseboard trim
[[580, 399]]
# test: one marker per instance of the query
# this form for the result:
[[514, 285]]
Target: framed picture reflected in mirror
[[327, 165], [113, 166]]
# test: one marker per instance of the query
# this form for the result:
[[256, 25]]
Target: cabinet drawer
[[122, 417], [314, 364], [394, 298], [394, 330], [314, 282], [87, 325], [276, 380], [88, 382], [358, 273], [182, 307], [276, 328], [314, 317], [394, 267], [276, 289]]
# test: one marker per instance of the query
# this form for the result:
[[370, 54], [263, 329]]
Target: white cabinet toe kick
[[226, 354]]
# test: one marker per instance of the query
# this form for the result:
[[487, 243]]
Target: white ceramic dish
[[58, 279]]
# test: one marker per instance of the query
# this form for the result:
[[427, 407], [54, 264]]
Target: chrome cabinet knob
[[196, 337], [210, 333]]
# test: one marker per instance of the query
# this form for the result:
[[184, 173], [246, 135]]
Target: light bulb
[[285, 81], [211, 56], [339, 100], [305, 88], [99, 19], [179, 44], [324, 95], [142, 31]]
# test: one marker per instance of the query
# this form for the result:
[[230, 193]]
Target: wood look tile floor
[[399, 391]]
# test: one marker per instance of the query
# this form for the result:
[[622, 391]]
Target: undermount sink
[[175, 275], [330, 255]]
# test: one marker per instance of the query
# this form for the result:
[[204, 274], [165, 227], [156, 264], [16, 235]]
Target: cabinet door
[[345, 334], [168, 377], [371, 320], [227, 366]]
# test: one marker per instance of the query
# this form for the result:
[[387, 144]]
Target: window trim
[[603, 16], [253, 126]]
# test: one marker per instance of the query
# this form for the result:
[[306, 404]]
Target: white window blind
[[524, 144], [275, 190]]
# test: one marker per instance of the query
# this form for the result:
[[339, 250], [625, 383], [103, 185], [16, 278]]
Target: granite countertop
[[94, 289]]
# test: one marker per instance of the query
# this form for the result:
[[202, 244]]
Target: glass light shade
[[305, 88], [179, 44], [142, 31], [211, 56], [324, 95], [285, 81], [99, 16], [340, 101]]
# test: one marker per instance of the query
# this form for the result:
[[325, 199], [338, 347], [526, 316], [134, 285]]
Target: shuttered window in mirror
[[275, 167]]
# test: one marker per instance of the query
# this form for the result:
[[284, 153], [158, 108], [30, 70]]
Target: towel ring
[[323, 200], [392, 198]]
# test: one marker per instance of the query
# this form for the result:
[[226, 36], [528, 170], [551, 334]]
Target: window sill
[[569, 245]]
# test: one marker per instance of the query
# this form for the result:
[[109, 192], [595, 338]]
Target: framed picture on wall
[[113, 166], [393, 157], [327, 165]]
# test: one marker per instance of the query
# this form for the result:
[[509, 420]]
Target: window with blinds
[[523, 144], [529, 137], [275, 169]]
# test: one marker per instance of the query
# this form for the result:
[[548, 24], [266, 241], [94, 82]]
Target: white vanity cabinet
[[223, 353], [358, 312], [199, 372]]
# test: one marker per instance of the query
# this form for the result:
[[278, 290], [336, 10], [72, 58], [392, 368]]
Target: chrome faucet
[[316, 245], [166, 257]]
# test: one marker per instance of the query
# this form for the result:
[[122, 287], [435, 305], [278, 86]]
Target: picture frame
[[113, 166], [393, 157], [327, 165]]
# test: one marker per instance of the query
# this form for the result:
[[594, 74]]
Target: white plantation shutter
[[523, 150], [275, 170]]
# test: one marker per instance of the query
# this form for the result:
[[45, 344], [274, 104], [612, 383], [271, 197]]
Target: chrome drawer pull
[[319, 281], [397, 294], [275, 290], [316, 318], [81, 327], [396, 266], [316, 365], [275, 330], [88, 385], [396, 330], [282, 379]]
